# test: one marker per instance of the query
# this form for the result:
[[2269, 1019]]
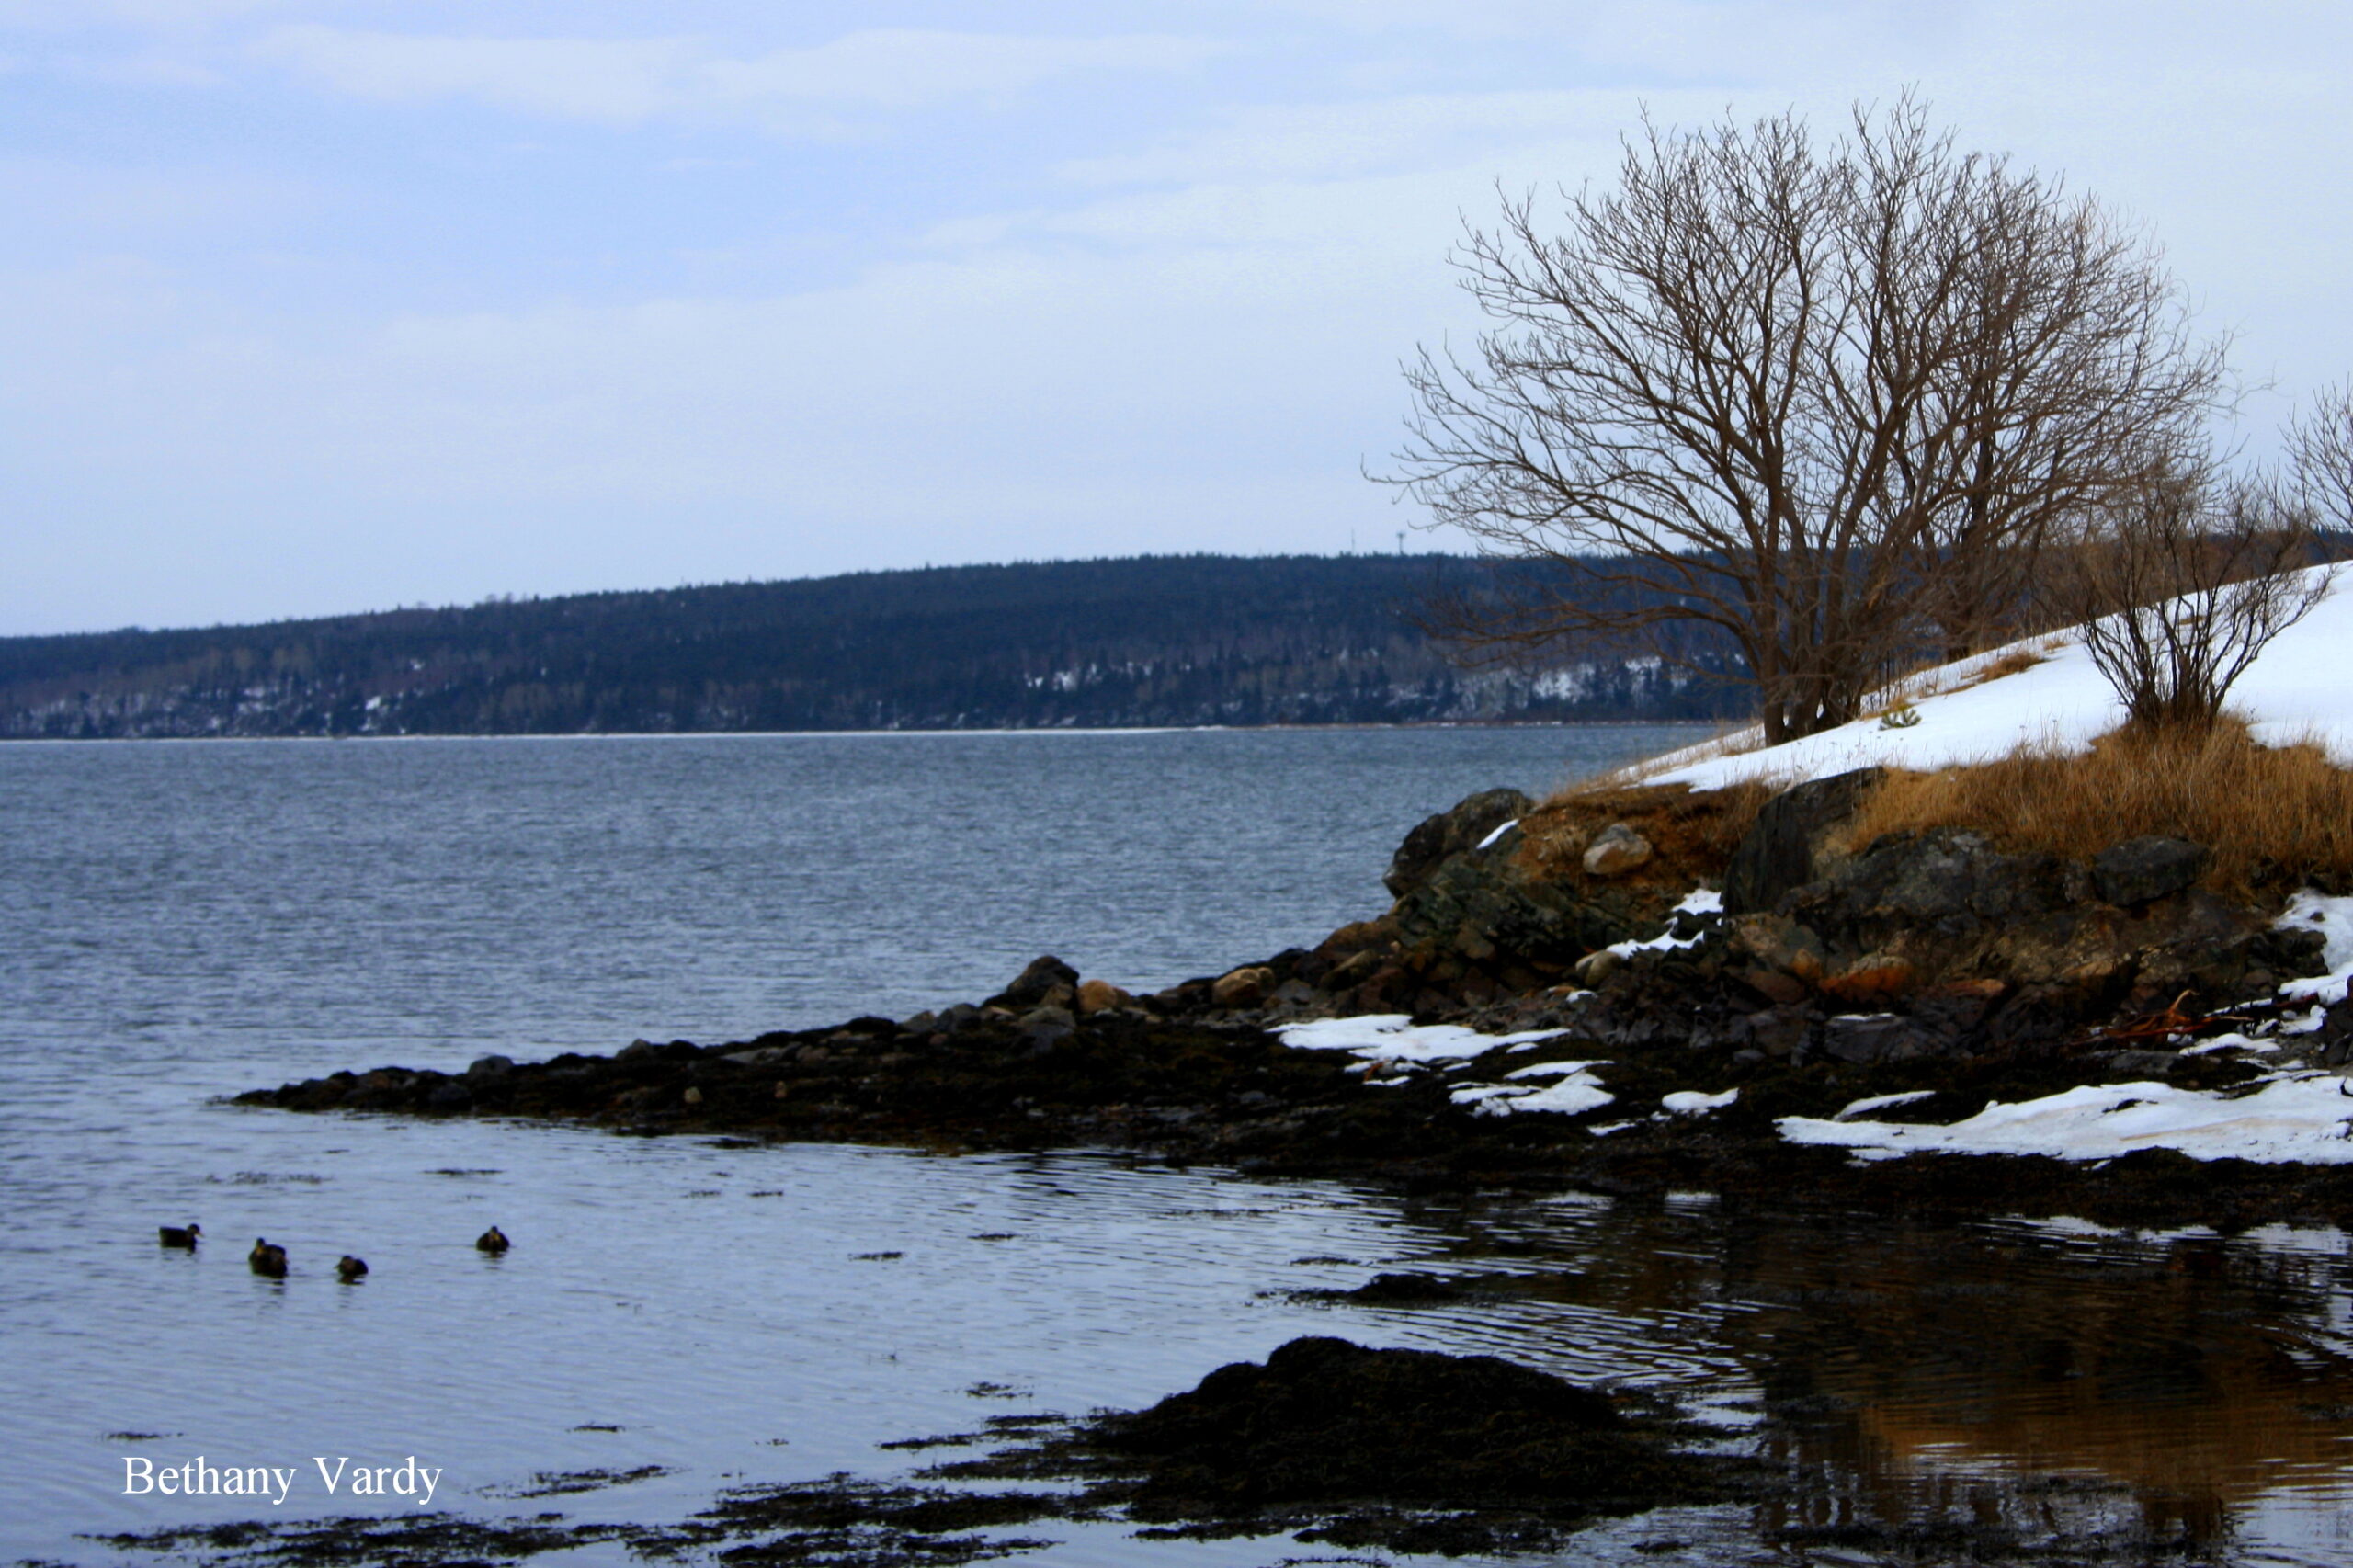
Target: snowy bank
[[2294, 691]]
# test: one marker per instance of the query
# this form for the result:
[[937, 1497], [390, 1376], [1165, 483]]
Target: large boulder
[[1779, 851], [1435, 839], [1048, 982], [2140, 871]]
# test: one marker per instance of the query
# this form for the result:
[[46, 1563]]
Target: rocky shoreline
[[1932, 966]]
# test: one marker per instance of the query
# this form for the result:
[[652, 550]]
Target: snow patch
[[2333, 918], [1498, 832], [1700, 901], [2307, 1117], [1395, 1038], [1869, 1103], [1691, 1102]]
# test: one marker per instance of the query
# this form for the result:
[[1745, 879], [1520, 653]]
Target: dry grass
[[1692, 831], [2274, 816]]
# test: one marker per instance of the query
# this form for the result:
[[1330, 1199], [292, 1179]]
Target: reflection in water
[[2009, 1383]]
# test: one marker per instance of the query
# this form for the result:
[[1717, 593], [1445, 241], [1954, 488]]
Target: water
[[179, 922]]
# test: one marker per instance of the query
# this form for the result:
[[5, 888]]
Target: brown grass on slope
[[1693, 832], [2275, 817]]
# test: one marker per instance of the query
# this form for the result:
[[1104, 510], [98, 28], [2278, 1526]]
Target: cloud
[[628, 81], [1378, 136]]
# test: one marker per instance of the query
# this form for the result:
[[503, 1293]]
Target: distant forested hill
[[1156, 641]]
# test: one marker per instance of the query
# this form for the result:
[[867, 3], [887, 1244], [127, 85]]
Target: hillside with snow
[[2299, 688]]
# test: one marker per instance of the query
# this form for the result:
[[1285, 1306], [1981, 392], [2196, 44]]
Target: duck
[[348, 1269], [179, 1236], [267, 1259], [492, 1241]]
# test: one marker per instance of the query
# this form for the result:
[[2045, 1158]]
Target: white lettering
[[432, 1478], [340, 1460], [285, 1479], [138, 1475]]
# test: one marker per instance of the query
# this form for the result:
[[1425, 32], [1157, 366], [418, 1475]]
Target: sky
[[310, 306]]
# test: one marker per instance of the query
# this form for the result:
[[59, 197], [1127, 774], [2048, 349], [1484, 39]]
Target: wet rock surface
[[1410, 1450]]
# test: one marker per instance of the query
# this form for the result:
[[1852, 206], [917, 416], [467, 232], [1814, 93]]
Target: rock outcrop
[[1439, 838]]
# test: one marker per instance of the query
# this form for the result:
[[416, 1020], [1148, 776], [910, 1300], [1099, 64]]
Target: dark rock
[[1404, 1290], [1490, 910], [489, 1066], [449, 1095], [2141, 870], [1045, 1028], [1325, 1420], [1031, 987], [1779, 851], [1437, 839], [1876, 1037]]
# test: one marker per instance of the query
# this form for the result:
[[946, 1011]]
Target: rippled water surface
[[182, 921]]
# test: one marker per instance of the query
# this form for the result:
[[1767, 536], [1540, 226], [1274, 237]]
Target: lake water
[[182, 921]]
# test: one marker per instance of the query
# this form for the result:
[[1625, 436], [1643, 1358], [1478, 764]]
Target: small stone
[[1597, 966], [1095, 996], [1244, 987], [783, 1091], [694, 1096], [1615, 850], [489, 1066]]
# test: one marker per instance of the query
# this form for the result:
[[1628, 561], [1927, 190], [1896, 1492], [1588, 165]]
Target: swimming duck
[[175, 1236], [348, 1269], [267, 1259], [492, 1241]]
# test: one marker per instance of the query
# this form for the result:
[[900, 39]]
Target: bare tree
[[1829, 402], [2179, 586]]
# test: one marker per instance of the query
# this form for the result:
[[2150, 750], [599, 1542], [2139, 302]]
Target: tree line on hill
[[1148, 642]]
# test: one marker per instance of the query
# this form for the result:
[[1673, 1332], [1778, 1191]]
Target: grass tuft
[[2276, 817]]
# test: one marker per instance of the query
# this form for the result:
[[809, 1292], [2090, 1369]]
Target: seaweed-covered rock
[[1327, 1422]]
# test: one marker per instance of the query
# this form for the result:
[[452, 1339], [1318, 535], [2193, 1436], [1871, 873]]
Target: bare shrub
[[2275, 816], [2182, 587]]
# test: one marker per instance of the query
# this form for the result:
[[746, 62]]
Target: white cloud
[[1385, 135], [626, 81]]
